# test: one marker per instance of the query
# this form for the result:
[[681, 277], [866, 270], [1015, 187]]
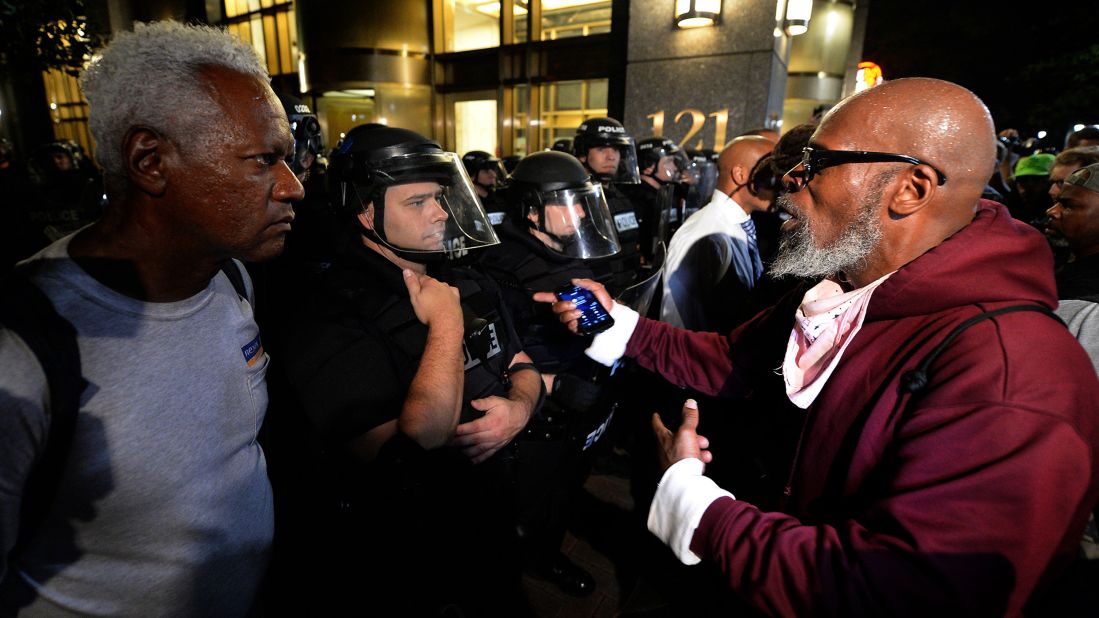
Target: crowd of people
[[244, 374]]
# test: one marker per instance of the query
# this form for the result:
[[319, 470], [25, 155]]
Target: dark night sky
[[1036, 68]]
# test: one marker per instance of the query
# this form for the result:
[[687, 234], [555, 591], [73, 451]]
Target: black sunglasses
[[816, 159]]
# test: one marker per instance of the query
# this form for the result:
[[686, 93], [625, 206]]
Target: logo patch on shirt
[[625, 221], [594, 436], [480, 346], [253, 351]]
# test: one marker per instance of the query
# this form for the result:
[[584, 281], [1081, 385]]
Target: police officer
[[704, 164], [486, 172], [308, 158], [67, 192], [308, 241], [654, 197], [607, 152], [558, 221], [414, 389]]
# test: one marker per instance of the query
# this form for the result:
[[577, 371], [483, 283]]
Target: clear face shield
[[669, 215], [686, 168], [577, 223], [665, 170], [614, 161], [429, 209], [699, 192], [707, 181]]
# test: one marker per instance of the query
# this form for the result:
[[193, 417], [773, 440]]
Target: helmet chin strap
[[419, 257], [658, 180]]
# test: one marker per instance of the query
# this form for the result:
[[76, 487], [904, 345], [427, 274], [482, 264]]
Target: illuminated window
[[397, 105], [567, 104], [470, 24], [68, 109], [562, 19], [521, 120], [475, 125], [475, 24], [270, 28]]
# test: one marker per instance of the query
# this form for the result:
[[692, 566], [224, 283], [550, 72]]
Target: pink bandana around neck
[[824, 324]]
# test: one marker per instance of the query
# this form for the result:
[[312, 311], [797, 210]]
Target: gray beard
[[799, 255]]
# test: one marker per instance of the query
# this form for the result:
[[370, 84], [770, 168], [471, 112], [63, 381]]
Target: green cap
[[1034, 165]]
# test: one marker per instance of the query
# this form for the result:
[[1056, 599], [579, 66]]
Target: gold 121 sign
[[697, 119]]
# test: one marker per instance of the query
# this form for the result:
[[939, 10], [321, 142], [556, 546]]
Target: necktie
[[753, 249]]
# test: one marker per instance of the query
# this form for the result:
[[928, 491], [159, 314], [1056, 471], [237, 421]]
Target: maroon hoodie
[[965, 498]]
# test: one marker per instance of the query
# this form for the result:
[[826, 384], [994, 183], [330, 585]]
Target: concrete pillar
[[704, 86]]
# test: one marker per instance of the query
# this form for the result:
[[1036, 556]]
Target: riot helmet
[[704, 163], [408, 194], [615, 159], [658, 153], [509, 162], [688, 168], [484, 170], [563, 144], [551, 194], [57, 157], [308, 139]]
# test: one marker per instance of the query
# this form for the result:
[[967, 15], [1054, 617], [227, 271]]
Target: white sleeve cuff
[[610, 345], [682, 497]]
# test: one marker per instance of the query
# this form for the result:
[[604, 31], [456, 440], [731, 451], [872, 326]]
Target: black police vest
[[487, 346], [495, 208], [620, 270], [646, 201]]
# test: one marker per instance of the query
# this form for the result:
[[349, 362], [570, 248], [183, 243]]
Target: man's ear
[[916, 188], [366, 217], [740, 175], [143, 153]]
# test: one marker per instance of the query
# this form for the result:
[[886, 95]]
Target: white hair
[[799, 255], [152, 77]]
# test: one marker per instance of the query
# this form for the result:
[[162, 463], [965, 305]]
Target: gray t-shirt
[[1082, 318], [164, 507]]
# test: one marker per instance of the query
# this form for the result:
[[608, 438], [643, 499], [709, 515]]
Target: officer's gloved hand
[[574, 393]]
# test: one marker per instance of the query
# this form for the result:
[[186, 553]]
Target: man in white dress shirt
[[713, 260]]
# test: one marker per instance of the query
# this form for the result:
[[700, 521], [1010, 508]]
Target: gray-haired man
[[161, 504]]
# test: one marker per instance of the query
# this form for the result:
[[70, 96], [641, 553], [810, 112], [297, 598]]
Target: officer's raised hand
[[566, 310], [435, 303]]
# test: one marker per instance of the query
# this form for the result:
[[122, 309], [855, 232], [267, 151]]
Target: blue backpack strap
[[26, 311]]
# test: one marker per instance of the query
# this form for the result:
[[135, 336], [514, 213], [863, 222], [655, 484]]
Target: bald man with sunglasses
[[944, 459]]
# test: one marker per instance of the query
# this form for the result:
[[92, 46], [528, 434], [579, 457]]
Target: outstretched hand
[[566, 310], [685, 442]]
